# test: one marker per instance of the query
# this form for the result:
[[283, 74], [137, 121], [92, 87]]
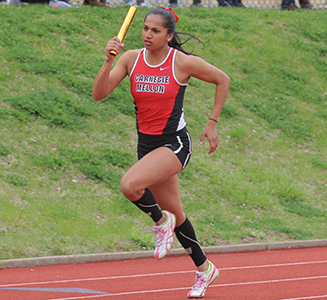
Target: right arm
[[109, 77]]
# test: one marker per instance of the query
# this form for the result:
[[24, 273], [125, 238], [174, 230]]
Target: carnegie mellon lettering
[[151, 79], [150, 88]]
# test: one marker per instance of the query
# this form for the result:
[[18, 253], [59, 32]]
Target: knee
[[129, 189], [180, 218]]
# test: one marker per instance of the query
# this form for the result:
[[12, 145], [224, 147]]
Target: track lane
[[268, 275]]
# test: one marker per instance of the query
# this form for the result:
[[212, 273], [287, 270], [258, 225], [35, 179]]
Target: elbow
[[226, 81], [223, 80], [99, 93], [96, 97], [95, 93]]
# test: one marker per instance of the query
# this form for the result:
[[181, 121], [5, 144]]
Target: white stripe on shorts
[[180, 145], [190, 148]]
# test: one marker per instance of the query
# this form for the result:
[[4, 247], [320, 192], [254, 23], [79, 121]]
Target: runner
[[159, 74]]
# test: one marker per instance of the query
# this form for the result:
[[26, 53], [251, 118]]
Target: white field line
[[160, 274]]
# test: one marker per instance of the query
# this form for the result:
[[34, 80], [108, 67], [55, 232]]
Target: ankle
[[204, 267], [162, 220]]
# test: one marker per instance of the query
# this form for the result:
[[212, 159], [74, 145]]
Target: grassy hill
[[62, 154]]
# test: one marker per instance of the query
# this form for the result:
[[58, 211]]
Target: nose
[[148, 35]]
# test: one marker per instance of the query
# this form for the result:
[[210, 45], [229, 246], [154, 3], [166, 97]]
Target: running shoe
[[202, 281], [164, 235]]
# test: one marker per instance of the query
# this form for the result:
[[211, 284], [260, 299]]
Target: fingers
[[212, 139], [203, 135], [213, 145], [113, 45]]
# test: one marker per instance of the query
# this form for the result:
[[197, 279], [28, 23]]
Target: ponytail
[[177, 43], [169, 22]]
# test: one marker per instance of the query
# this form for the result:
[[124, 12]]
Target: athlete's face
[[154, 34]]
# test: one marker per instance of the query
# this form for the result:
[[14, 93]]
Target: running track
[[292, 274]]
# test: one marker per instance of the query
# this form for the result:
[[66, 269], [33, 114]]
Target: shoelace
[[159, 234], [199, 280]]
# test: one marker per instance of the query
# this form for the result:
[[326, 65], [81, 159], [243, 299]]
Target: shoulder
[[130, 54], [187, 66], [186, 61], [128, 58]]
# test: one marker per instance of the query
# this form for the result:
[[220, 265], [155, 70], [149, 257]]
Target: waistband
[[160, 137]]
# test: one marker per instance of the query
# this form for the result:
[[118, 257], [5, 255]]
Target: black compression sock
[[186, 236], [148, 204]]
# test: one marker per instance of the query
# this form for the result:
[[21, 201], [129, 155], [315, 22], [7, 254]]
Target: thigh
[[152, 169]]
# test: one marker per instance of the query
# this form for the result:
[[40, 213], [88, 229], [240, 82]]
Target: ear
[[170, 37]]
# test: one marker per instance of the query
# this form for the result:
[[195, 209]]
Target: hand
[[210, 133], [113, 45]]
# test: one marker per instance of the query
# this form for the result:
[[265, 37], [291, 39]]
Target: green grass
[[62, 154]]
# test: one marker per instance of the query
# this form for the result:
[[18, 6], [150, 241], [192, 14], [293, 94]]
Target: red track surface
[[293, 274]]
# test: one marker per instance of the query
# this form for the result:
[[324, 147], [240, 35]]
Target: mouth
[[147, 43]]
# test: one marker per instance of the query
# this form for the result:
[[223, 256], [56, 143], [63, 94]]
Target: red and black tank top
[[158, 96]]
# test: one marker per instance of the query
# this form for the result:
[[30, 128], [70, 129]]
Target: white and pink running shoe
[[164, 235], [202, 281]]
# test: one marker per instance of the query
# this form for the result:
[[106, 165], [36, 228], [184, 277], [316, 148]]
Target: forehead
[[155, 21]]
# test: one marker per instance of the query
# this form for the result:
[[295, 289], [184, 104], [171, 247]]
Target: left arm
[[189, 65]]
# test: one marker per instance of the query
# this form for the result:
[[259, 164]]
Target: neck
[[156, 57]]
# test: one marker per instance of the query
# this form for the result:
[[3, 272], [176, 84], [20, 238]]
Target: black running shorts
[[179, 142]]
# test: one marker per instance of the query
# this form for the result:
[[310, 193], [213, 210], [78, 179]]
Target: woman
[[159, 74]]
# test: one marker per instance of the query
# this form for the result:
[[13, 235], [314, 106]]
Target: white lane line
[[270, 281], [126, 293], [97, 278], [308, 297], [160, 274], [211, 286], [277, 265]]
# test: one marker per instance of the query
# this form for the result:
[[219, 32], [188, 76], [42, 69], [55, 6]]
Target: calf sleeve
[[186, 236], [148, 204]]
